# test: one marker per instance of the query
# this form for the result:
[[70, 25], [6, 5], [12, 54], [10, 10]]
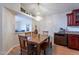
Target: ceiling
[[45, 9]]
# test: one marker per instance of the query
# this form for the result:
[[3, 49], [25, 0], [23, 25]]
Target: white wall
[[8, 27], [13, 6], [22, 21], [8, 37], [46, 25], [59, 20], [53, 23], [0, 30]]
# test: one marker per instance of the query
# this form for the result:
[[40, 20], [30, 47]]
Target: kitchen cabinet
[[67, 39], [73, 18], [60, 39], [76, 16], [70, 21], [73, 41]]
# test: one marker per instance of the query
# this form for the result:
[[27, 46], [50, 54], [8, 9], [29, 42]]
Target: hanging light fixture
[[38, 17], [38, 9]]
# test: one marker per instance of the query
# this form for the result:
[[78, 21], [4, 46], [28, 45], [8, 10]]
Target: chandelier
[[38, 17]]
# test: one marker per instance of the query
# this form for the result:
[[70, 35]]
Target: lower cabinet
[[69, 40], [73, 41], [60, 39]]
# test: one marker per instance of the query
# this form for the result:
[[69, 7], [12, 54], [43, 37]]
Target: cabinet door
[[56, 39], [73, 18], [60, 39], [76, 16], [77, 38], [70, 19], [72, 41]]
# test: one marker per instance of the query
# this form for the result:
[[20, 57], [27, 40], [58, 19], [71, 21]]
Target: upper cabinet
[[73, 18]]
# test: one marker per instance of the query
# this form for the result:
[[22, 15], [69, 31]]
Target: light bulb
[[38, 18]]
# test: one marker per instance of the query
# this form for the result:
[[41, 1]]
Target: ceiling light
[[38, 18], [38, 13]]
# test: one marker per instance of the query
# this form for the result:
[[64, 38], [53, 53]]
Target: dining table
[[38, 39]]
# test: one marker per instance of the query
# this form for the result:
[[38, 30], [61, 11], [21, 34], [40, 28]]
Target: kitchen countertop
[[72, 32], [69, 32]]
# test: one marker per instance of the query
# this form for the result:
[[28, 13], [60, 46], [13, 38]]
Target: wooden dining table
[[38, 39]]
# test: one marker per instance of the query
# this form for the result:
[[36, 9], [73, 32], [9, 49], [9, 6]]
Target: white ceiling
[[50, 8]]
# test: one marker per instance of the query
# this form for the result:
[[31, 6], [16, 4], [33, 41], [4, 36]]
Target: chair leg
[[20, 53], [50, 45], [44, 52]]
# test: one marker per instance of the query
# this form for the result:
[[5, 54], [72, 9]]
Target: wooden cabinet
[[73, 18], [69, 40], [73, 41], [76, 16], [70, 21], [60, 39]]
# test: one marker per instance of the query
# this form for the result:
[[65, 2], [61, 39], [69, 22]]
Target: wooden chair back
[[31, 47], [45, 45], [28, 33], [23, 44], [26, 46], [45, 32], [22, 41]]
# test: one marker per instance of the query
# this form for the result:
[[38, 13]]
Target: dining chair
[[32, 47], [45, 32], [23, 46], [28, 33], [45, 45], [26, 46]]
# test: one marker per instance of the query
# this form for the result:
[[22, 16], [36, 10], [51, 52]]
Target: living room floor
[[57, 50]]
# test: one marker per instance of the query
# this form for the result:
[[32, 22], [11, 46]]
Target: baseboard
[[11, 49]]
